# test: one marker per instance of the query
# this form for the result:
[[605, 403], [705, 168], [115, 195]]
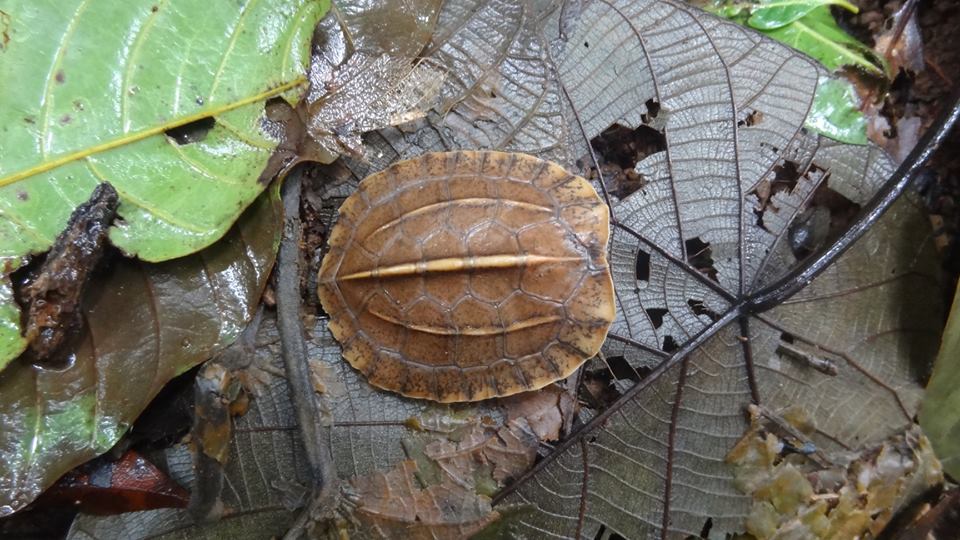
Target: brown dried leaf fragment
[[546, 411], [394, 505], [368, 93], [444, 490], [901, 44], [54, 294]]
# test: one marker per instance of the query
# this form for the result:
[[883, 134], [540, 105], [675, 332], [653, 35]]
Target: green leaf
[[940, 410], [770, 14], [835, 113], [144, 324], [818, 35], [90, 88]]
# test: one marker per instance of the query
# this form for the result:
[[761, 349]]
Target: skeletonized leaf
[[144, 324], [741, 194]]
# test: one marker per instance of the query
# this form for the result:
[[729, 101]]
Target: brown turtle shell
[[461, 276]]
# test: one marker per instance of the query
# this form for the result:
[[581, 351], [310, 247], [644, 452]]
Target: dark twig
[[294, 350]]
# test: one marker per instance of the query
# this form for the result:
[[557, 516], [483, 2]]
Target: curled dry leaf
[[901, 44]]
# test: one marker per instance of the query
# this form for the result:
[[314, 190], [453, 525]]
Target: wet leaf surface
[[144, 324], [104, 487], [158, 98]]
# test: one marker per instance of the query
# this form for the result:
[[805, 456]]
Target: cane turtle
[[461, 276]]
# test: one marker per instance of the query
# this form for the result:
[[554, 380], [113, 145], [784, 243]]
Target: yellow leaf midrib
[[149, 132]]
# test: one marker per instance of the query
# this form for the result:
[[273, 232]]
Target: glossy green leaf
[[92, 87], [835, 113], [145, 324], [940, 410], [771, 14], [818, 35]]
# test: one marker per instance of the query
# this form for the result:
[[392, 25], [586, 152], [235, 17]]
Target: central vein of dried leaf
[[456, 264]]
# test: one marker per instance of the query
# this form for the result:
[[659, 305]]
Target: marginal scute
[[462, 276]]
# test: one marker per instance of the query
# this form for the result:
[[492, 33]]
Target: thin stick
[[294, 352]]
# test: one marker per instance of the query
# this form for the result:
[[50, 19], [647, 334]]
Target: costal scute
[[461, 276]]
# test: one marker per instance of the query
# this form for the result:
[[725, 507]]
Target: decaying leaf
[[104, 487], [459, 455], [548, 411], [901, 44], [144, 324], [53, 295], [792, 497], [366, 76]]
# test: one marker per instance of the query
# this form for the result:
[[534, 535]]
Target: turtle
[[467, 275]]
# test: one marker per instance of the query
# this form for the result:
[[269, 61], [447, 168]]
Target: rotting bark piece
[[462, 276], [54, 295]]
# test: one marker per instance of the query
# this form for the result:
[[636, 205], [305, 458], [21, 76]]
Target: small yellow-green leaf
[[835, 114], [770, 14], [940, 411]]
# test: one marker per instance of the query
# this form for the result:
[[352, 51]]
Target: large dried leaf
[[97, 91], [144, 324], [741, 195]]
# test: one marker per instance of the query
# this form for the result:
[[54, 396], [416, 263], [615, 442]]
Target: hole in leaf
[[669, 344], [752, 119], [786, 176], [828, 214], [195, 131], [602, 534], [653, 109], [656, 316], [619, 149], [700, 256], [699, 308], [622, 370], [643, 265], [707, 525], [597, 388]]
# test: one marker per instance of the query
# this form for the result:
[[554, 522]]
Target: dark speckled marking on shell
[[462, 276]]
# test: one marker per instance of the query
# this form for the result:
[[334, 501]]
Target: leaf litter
[[689, 391]]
